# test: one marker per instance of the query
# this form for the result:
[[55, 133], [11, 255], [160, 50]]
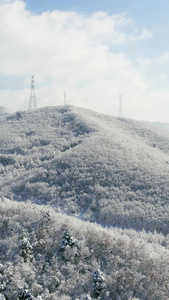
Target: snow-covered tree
[[67, 240], [98, 283], [25, 246], [24, 294]]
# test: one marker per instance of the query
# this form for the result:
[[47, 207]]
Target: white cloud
[[68, 51], [144, 62], [57, 42], [164, 58], [146, 34], [54, 40]]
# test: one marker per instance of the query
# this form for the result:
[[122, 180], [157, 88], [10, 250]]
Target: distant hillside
[[99, 168], [162, 125], [4, 111]]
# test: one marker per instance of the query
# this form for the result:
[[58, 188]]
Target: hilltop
[[99, 168]]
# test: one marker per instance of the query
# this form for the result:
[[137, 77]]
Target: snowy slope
[[37, 256], [99, 168]]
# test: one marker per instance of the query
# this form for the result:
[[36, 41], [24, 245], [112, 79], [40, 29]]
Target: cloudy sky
[[93, 50]]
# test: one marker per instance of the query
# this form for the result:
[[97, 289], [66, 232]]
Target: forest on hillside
[[56, 256], [99, 168], [84, 206]]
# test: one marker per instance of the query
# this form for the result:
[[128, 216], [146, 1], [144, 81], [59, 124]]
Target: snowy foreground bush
[[50, 256]]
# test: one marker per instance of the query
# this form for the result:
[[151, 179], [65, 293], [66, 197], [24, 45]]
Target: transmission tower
[[32, 100], [64, 98], [120, 115]]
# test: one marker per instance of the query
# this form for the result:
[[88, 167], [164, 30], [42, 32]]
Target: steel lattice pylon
[[32, 100], [120, 115], [64, 98]]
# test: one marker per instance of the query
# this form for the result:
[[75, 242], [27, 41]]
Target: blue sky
[[92, 50], [151, 14]]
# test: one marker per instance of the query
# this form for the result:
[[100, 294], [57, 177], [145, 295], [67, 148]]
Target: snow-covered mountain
[[100, 168], [84, 205], [113, 171]]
